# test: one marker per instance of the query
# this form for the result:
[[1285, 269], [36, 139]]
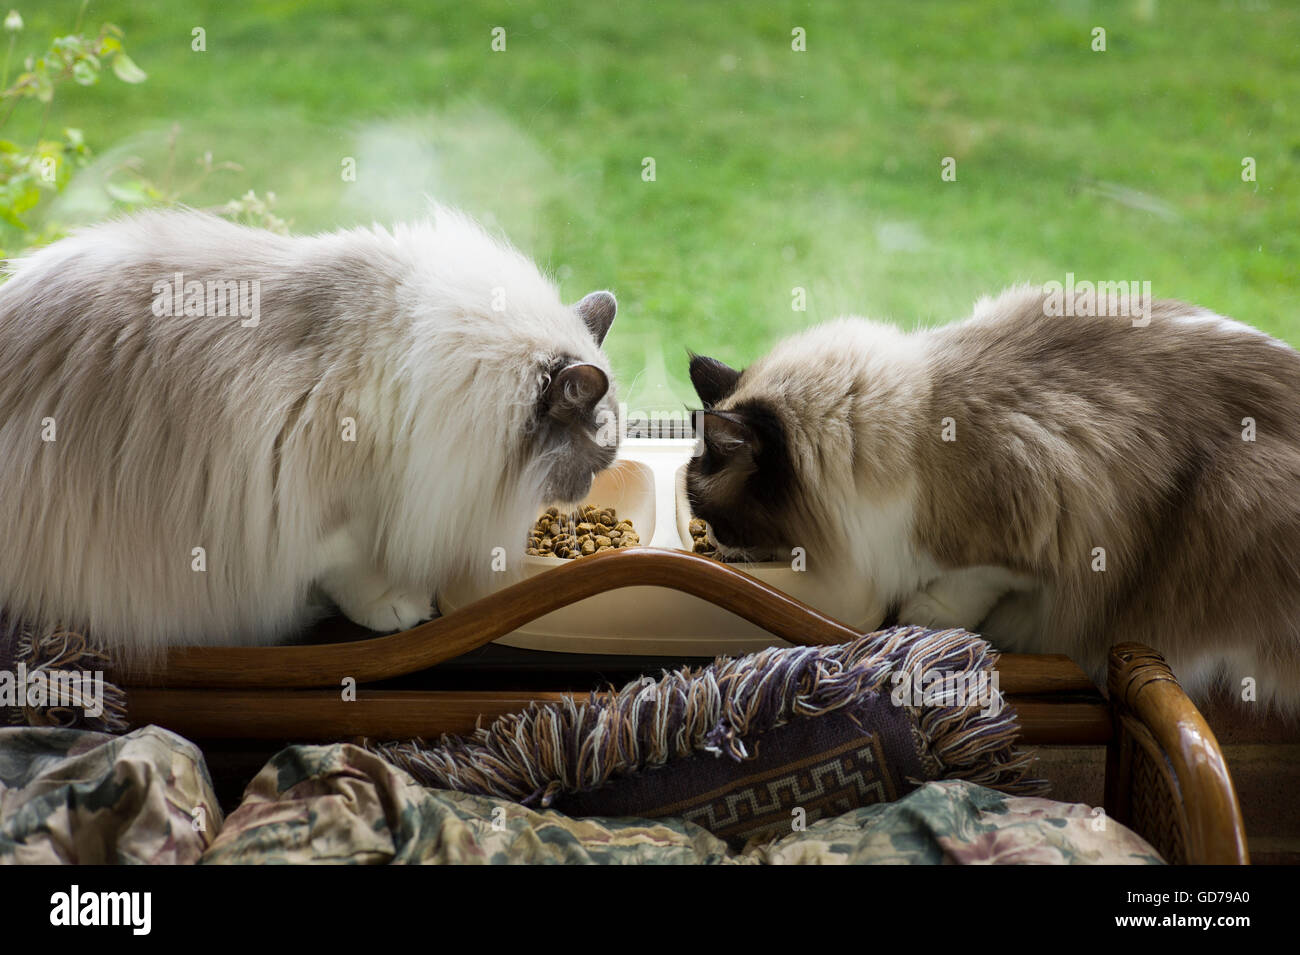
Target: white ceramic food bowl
[[647, 486]]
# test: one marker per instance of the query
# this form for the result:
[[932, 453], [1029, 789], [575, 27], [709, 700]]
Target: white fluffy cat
[[200, 421]]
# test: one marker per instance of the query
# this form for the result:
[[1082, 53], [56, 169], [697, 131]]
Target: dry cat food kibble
[[588, 530], [700, 542]]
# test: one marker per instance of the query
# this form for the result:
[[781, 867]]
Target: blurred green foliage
[[29, 171]]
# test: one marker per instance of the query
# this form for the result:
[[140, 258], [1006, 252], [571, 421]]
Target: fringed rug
[[753, 747], [56, 678]]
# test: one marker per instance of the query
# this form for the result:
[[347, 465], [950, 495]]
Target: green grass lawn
[[774, 168]]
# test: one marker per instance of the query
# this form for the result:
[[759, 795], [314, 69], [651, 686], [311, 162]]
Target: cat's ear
[[727, 432], [597, 310], [574, 391], [712, 379]]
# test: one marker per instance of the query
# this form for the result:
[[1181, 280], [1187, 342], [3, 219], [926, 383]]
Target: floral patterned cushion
[[343, 804], [77, 796]]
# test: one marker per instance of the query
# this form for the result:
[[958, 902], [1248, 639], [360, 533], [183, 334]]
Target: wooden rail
[[478, 623], [323, 715]]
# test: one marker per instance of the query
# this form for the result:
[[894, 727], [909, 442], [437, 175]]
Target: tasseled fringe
[[548, 749], [55, 651]]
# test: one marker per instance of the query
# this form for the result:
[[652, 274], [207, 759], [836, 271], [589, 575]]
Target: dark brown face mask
[[742, 479]]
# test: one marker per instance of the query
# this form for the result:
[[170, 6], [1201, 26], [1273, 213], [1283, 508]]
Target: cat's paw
[[394, 610], [922, 609]]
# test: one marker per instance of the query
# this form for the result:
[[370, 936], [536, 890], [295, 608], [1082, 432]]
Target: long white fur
[[168, 428]]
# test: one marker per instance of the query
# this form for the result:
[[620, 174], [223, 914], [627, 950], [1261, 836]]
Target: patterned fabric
[[341, 804], [56, 677], [954, 822], [740, 745], [820, 767], [72, 796]]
